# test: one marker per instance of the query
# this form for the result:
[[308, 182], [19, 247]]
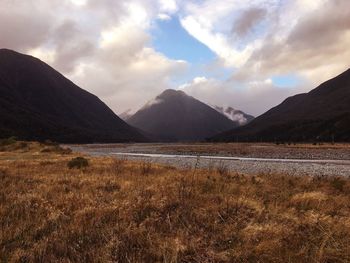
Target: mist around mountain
[[235, 115], [125, 115]]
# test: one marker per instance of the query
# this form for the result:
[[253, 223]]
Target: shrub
[[8, 141], [118, 166], [338, 184], [222, 169], [110, 187], [56, 149], [50, 143], [2, 174], [208, 186], [78, 162], [23, 145], [146, 167]]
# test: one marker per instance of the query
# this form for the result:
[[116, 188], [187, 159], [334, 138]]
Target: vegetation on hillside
[[115, 210]]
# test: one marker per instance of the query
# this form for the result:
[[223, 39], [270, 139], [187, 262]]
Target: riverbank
[[271, 160], [252, 150]]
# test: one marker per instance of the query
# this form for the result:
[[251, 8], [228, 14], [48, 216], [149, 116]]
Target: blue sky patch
[[172, 40], [286, 81]]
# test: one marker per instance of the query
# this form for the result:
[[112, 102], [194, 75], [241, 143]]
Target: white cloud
[[79, 2], [211, 21], [262, 38], [125, 72], [48, 56], [217, 42], [151, 103], [164, 17], [105, 46], [253, 97], [168, 6]]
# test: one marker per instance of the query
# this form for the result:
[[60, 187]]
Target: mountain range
[[38, 103], [323, 114]]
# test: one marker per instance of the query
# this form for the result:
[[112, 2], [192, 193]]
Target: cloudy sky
[[247, 54]]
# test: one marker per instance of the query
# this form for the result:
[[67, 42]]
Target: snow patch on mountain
[[235, 115], [126, 114]]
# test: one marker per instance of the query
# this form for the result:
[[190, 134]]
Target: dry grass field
[[121, 211]]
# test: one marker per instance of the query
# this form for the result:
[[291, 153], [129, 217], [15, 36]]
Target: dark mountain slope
[[322, 114], [175, 116], [38, 103]]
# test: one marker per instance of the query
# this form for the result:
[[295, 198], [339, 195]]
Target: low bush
[[8, 141], [11, 144], [56, 149], [78, 163], [338, 184], [146, 167], [2, 174], [50, 143], [223, 169], [118, 166], [110, 187]]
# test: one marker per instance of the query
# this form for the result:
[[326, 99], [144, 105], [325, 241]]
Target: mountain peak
[[175, 116], [171, 93], [10, 52], [5, 50]]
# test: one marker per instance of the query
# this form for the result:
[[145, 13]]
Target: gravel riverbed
[[240, 166]]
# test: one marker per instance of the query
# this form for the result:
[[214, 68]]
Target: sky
[[250, 55]]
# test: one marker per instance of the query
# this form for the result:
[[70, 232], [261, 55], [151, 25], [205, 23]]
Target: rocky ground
[[322, 152]]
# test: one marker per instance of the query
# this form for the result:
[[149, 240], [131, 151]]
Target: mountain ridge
[[321, 114], [39, 103]]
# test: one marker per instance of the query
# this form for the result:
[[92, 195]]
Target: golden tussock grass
[[123, 211]]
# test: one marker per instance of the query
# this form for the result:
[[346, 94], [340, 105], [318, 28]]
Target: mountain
[[38, 103], [323, 114], [175, 116], [235, 115], [126, 114]]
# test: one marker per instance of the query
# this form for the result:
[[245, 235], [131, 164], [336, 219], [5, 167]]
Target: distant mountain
[[235, 115], [322, 114], [38, 103], [126, 114], [175, 116]]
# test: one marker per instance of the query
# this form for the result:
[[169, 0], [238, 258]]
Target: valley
[[170, 131]]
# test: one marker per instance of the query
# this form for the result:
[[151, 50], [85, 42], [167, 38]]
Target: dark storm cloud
[[248, 19], [20, 29], [72, 44], [317, 47]]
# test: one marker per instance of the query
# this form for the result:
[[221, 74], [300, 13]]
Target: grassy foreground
[[122, 211]]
